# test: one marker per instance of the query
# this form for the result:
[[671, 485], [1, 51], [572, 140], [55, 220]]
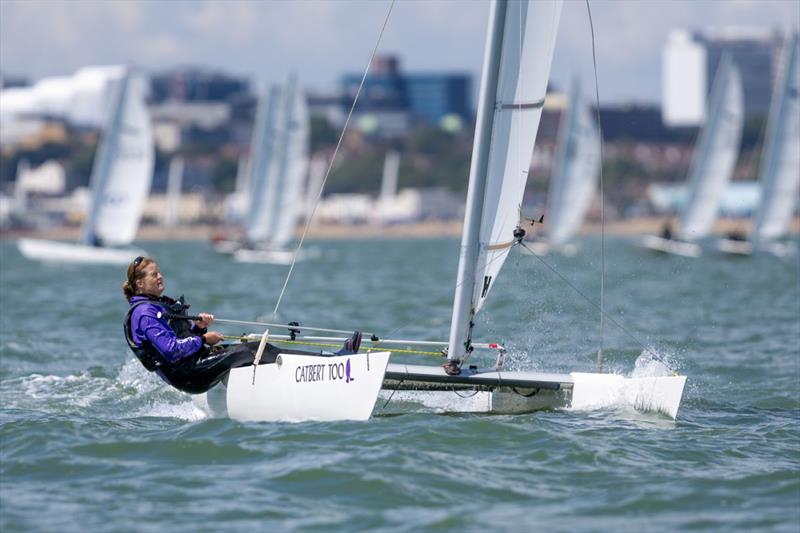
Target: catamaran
[[712, 165], [519, 50], [120, 182], [574, 179], [278, 167], [780, 167]]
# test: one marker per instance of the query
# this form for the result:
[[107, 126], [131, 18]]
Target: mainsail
[[123, 168], [716, 153], [286, 203], [577, 167], [519, 50], [280, 161], [780, 168], [262, 153]]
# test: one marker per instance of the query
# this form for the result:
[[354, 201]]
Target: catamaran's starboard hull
[[518, 392], [298, 388], [669, 246], [64, 252]]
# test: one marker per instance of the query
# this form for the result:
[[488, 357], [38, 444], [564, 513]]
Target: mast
[[463, 307]]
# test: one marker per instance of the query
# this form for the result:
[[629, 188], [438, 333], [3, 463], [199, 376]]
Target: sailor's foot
[[351, 345]]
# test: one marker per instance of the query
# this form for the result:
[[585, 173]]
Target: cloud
[[322, 39]]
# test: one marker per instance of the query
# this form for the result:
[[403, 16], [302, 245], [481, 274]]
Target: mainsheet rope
[[333, 159]]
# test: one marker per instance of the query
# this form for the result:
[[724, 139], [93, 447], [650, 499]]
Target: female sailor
[[184, 353]]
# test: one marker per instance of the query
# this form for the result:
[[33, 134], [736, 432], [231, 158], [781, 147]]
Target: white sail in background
[[123, 169], [286, 203], [174, 185], [519, 50], [262, 155], [316, 175], [780, 168], [577, 167], [716, 152], [391, 169]]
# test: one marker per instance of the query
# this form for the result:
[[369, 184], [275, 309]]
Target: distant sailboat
[[279, 161], [712, 165], [780, 167], [120, 182], [574, 179]]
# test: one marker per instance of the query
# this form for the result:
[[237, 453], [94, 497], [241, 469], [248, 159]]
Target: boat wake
[[131, 393]]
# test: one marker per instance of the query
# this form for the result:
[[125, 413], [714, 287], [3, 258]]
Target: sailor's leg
[[200, 373]]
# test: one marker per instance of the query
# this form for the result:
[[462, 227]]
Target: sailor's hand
[[212, 337], [205, 320]]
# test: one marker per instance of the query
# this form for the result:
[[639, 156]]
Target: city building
[[690, 60], [392, 102]]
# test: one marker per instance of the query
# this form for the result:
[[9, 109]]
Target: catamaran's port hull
[[299, 388], [516, 392]]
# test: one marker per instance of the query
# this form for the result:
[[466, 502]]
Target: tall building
[[690, 60], [392, 101]]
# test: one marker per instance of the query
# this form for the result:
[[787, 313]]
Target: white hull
[[518, 392], [729, 246], [669, 246], [298, 388], [226, 247], [64, 252], [270, 257], [746, 248]]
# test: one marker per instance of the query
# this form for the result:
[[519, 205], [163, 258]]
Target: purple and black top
[[149, 323]]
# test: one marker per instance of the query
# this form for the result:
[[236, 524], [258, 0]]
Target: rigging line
[[592, 302], [602, 198], [333, 159]]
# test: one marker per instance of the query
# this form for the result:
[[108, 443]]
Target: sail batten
[[520, 42]]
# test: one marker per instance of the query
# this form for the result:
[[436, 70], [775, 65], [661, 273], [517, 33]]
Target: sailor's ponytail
[[135, 273]]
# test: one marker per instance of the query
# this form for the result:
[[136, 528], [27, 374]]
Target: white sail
[[780, 168], [174, 185], [123, 168], [286, 203], [262, 154], [577, 168], [716, 152], [316, 175], [391, 169], [520, 42]]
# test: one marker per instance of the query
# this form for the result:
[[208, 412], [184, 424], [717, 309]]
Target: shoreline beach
[[629, 227]]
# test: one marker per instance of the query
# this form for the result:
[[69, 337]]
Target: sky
[[266, 40]]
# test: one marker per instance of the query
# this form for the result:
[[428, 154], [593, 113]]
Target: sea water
[[89, 441]]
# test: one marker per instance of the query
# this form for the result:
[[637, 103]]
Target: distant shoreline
[[422, 230]]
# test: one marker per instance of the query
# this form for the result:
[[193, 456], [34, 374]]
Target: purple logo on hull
[[347, 372]]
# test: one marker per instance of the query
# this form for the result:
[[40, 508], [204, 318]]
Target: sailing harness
[[177, 319]]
